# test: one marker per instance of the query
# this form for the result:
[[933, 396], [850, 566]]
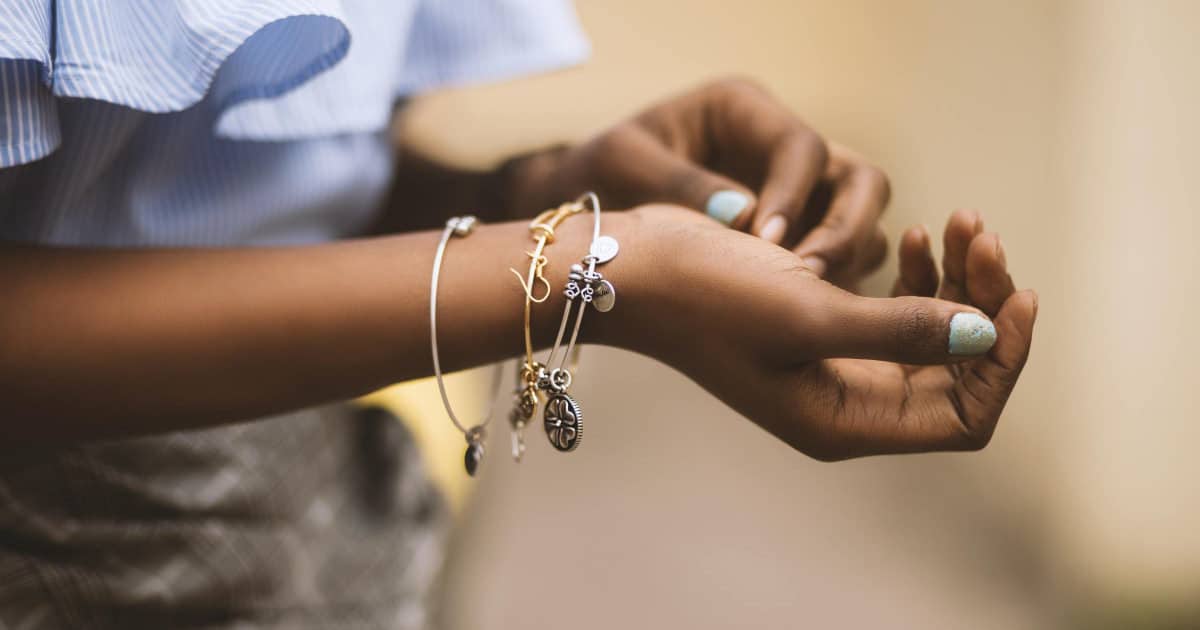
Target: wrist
[[630, 273]]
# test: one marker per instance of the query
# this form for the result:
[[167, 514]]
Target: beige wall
[[1073, 126]]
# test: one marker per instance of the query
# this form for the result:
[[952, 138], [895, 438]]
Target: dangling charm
[[563, 417], [564, 422], [474, 454], [525, 402]]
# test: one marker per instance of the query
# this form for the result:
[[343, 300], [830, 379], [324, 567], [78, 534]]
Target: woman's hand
[[831, 373], [729, 149]]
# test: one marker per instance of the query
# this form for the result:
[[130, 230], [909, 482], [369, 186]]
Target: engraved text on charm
[[605, 297], [564, 422]]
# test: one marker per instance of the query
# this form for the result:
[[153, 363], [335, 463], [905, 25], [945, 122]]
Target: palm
[[753, 325], [900, 408]]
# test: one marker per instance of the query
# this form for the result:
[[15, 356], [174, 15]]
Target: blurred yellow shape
[[442, 445]]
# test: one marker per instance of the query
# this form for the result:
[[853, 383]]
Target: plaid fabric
[[320, 519]]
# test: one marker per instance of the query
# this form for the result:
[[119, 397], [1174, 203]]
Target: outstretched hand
[[831, 373]]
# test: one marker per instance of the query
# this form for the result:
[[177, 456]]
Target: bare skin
[[108, 343], [150, 341]]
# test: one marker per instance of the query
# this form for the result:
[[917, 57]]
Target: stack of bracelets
[[538, 384]]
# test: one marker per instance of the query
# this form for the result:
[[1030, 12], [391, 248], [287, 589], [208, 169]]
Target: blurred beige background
[[1073, 126]]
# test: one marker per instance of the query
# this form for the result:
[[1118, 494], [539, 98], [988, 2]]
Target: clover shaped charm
[[564, 422]]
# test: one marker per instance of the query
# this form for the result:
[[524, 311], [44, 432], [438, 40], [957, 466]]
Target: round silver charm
[[564, 422], [604, 249], [605, 297]]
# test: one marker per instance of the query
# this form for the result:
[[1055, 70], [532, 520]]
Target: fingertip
[[965, 217], [914, 238], [1026, 302], [816, 264], [774, 229], [985, 248], [971, 334]]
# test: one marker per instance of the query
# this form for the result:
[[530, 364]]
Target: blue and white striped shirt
[[226, 122], [187, 122]]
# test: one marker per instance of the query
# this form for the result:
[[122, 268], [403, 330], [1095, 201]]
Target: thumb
[[649, 171], [913, 330]]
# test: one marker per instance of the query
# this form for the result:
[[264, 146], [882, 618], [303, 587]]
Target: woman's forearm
[[104, 343]]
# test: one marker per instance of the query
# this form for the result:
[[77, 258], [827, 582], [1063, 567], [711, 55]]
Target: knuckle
[[825, 453], [614, 140], [976, 440], [835, 242], [813, 144], [877, 182], [687, 184], [915, 327], [737, 85]]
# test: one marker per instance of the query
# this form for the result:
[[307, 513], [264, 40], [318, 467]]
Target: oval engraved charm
[[604, 249], [564, 422], [605, 297]]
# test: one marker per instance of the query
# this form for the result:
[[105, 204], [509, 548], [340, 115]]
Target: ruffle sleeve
[[455, 43], [154, 56]]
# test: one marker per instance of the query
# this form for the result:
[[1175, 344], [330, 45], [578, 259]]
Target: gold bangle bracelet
[[527, 396]]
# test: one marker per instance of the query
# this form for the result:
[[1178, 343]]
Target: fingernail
[[774, 229], [816, 264], [1000, 253], [971, 334], [726, 205]]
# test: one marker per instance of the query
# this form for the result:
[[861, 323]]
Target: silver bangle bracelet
[[563, 416], [460, 227]]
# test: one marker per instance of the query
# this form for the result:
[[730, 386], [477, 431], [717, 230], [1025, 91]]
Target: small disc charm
[[604, 249], [605, 297], [564, 422], [473, 456]]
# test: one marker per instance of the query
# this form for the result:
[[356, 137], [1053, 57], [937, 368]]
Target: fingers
[[988, 284], [911, 330], [962, 228], [980, 394], [639, 167], [753, 137], [918, 271], [796, 165], [839, 243]]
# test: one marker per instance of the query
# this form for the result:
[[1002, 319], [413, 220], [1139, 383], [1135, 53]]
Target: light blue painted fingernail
[[971, 334], [726, 205]]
